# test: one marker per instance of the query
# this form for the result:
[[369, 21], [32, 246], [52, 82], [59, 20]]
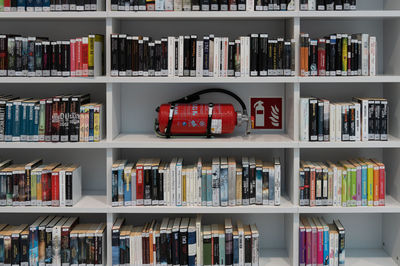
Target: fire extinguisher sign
[[266, 113]]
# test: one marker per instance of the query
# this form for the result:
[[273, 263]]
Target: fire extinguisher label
[[266, 113], [216, 126]]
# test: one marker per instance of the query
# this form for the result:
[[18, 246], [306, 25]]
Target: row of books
[[338, 55], [350, 183], [222, 182], [203, 5], [53, 240], [328, 5], [63, 118], [321, 243], [41, 57], [50, 5], [254, 55], [363, 119], [185, 241], [39, 184]]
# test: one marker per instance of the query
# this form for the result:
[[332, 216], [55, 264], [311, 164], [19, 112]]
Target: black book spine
[[307, 186], [175, 248], [169, 248], [270, 58], [328, 57], [353, 4], [304, 5], [87, 5], [186, 56], [64, 119], [231, 59], [237, 59], [13, 5], [193, 55], [215, 249], [263, 55], [38, 58], [319, 190], [122, 55], [345, 124], [241, 5], [59, 58], [147, 186], [339, 51], [332, 54], [163, 248], [371, 120], [135, 70], [93, 5], [252, 184], [320, 120], [313, 119], [48, 243], [321, 5], [195, 5], [18, 56], [205, 5], [24, 249], [313, 58], [377, 115], [206, 56], [228, 247], [214, 6], [275, 57], [46, 59], [145, 56], [338, 5], [72, 5], [157, 58], [65, 5], [352, 122], [384, 120], [54, 61], [140, 57], [183, 256], [245, 185], [154, 186], [160, 188], [164, 57], [151, 59], [129, 66], [346, 4], [115, 244], [280, 57], [114, 186], [254, 55], [354, 58], [247, 250], [176, 56], [66, 59], [223, 5], [114, 5], [15, 251], [287, 62]]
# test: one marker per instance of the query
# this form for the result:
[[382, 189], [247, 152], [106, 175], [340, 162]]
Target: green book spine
[[1, 5], [42, 120], [33, 189], [207, 251], [344, 188], [348, 196]]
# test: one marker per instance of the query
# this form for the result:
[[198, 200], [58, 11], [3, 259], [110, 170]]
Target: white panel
[[392, 172], [391, 235]]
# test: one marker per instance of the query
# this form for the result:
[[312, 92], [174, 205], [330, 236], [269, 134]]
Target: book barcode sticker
[[216, 126]]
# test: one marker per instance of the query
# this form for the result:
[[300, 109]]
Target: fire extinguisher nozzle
[[158, 109]]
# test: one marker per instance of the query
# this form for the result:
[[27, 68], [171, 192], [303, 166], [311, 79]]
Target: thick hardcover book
[[55, 119], [114, 55], [64, 118], [313, 119], [246, 180], [74, 115]]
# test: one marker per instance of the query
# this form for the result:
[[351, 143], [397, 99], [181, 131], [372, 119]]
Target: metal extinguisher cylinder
[[193, 118]]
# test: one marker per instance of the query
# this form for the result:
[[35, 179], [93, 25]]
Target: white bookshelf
[[373, 233]]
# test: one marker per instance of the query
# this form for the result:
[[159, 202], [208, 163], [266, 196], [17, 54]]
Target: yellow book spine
[[96, 123], [91, 55], [82, 124], [370, 185], [239, 187]]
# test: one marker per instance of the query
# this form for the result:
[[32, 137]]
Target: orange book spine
[[312, 187]]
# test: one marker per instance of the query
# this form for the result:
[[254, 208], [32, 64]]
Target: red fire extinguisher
[[185, 118]]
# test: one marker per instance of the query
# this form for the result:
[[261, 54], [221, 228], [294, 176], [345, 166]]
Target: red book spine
[[320, 247], [321, 57], [72, 57], [312, 187], [78, 57], [139, 185], [85, 57], [55, 189], [46, 188], [382, 177], [314, 245], [308, 246], [7, 5]]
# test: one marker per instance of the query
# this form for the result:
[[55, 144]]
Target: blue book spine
[[38, 5], [2, 250], [259, 185], [127, 191], [91, 124], [36, 116], [326, 247], [224, 186], [115, 247], [21, 5], [30, 5], [364, 185], [271, 189], [24, 122], [235, 250], [74, 246], [33, 246], [9, 122], [16, 115], [120, 186], [209, 189], [192, 248], [122, 248], [46, 5]]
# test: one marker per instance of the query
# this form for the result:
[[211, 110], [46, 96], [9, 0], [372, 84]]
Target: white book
[[198, 181], [217, 59], [232, 181], [169, 5], [180, 55], [225, 48], [357, 120], [364, 54], [171, 56], [247, 56], [332, 122], [56, 241], [160, 5], [178, 5], [277, 170], [179, 182], [172, 179], [372, 56], [133, 186], [215, 182], [304, 119], [338, 121], [242, 57], [199, 241], [206, 45], [199, 59], [364, 119], [250, 5], [61, 174], [312, 5], [76, 178], [241, 242]]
